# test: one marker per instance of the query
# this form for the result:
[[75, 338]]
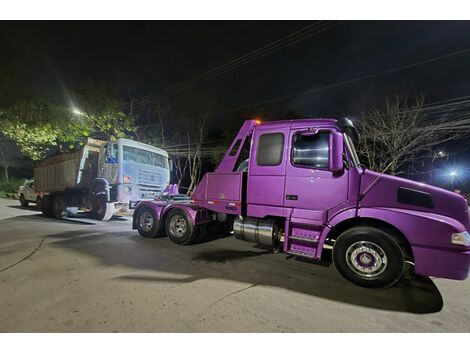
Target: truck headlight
[[461, 238], [127, 189]]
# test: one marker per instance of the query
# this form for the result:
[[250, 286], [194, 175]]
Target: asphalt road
[[87, 276]]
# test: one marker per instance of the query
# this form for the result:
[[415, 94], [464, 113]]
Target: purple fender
[[429, 236], [196, 214]]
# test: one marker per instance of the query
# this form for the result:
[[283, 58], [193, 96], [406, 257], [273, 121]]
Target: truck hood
[[380, 190]]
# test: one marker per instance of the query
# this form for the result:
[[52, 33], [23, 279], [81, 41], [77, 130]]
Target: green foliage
[[37, 124], [10, 187]]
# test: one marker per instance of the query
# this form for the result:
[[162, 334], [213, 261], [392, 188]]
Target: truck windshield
[[351, 149], [143, 156]]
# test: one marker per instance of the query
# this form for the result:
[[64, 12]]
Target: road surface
[[87, 276]]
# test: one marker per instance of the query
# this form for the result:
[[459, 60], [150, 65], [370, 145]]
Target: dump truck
[[101, 177], [298, 187]]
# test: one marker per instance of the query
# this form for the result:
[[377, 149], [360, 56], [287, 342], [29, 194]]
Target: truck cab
[[298, 187], [135, 171]]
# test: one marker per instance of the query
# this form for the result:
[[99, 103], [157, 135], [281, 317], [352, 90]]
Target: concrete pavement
[[87, 276]]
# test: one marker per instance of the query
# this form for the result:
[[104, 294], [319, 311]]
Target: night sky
[[146, 57], [141, 58]]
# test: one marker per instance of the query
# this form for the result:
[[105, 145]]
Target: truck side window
[[235, 147], [270, 147], [242, 162], [311, 150]]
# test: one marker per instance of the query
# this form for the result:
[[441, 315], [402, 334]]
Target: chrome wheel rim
[[178, 226], [366, 259], [146, 221]]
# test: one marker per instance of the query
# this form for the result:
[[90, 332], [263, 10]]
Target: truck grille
[[149, 178]]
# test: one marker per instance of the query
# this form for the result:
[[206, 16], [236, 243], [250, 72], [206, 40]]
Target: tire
[[180, 228], [23, 201], [369, 257], [147, 223], [46, 206], [99, 207], [58, 207], [38, 202]]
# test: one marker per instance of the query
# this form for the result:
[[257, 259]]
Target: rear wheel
[[180, 228], [46, 206], [369, 257], [58, 207], [38, 202], [147, 223], [23, 201]]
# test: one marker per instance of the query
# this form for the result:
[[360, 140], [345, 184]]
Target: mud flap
[[109, 212]]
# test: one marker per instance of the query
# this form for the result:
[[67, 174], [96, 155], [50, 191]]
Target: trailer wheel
[[23, 201], [369, 257], [58, 207], [180, 228], [46, 206], [147, 223]]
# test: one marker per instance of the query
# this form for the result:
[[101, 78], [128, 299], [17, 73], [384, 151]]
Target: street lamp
[[453, 174], [77, 112]]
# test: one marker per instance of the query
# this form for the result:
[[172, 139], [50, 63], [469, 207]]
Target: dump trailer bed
[[76, 169]]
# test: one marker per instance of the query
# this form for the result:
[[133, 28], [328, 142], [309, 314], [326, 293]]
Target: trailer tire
[[180, 228], [369, 257], [46, 206], [24, 203], [147, 223], [58, 206]]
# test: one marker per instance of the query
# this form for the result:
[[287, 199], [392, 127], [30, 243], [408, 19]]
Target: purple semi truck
[[298, 187]]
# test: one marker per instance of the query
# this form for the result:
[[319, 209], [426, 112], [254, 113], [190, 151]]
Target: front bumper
[[442, 263]]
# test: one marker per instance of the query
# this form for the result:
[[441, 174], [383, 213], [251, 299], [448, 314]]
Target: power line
[[333, 85], [290, 39]]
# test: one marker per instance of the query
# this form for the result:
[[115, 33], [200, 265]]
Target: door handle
[[292, 197]]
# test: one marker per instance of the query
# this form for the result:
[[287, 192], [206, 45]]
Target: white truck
[[27, 194], [102, 177]]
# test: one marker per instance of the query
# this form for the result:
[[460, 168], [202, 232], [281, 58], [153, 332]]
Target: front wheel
[[180, 228], [368, 257], [23, 201], [101, 208]]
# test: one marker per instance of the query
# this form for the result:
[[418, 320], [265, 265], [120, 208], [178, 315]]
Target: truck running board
[[301, 254]]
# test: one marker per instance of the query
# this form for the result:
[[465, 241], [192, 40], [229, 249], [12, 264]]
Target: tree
[[37, 124], [401, 131]]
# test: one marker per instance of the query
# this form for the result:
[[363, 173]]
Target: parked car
[[27, 193]]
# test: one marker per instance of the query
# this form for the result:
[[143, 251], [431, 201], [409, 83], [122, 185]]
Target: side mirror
[[109, 158], [170, 164], [336, 152]]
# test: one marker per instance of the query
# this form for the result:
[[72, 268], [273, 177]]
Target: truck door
[[108, 162], [266, 172], [311, 189]]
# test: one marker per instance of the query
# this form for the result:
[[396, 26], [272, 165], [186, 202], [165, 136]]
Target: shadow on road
[[30, 207], [222, 260]]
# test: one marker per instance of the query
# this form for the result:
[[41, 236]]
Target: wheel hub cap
[[146, 221], [178, 226], [366, 259]]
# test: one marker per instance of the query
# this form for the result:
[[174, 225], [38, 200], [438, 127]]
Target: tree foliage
[[38, 124]]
